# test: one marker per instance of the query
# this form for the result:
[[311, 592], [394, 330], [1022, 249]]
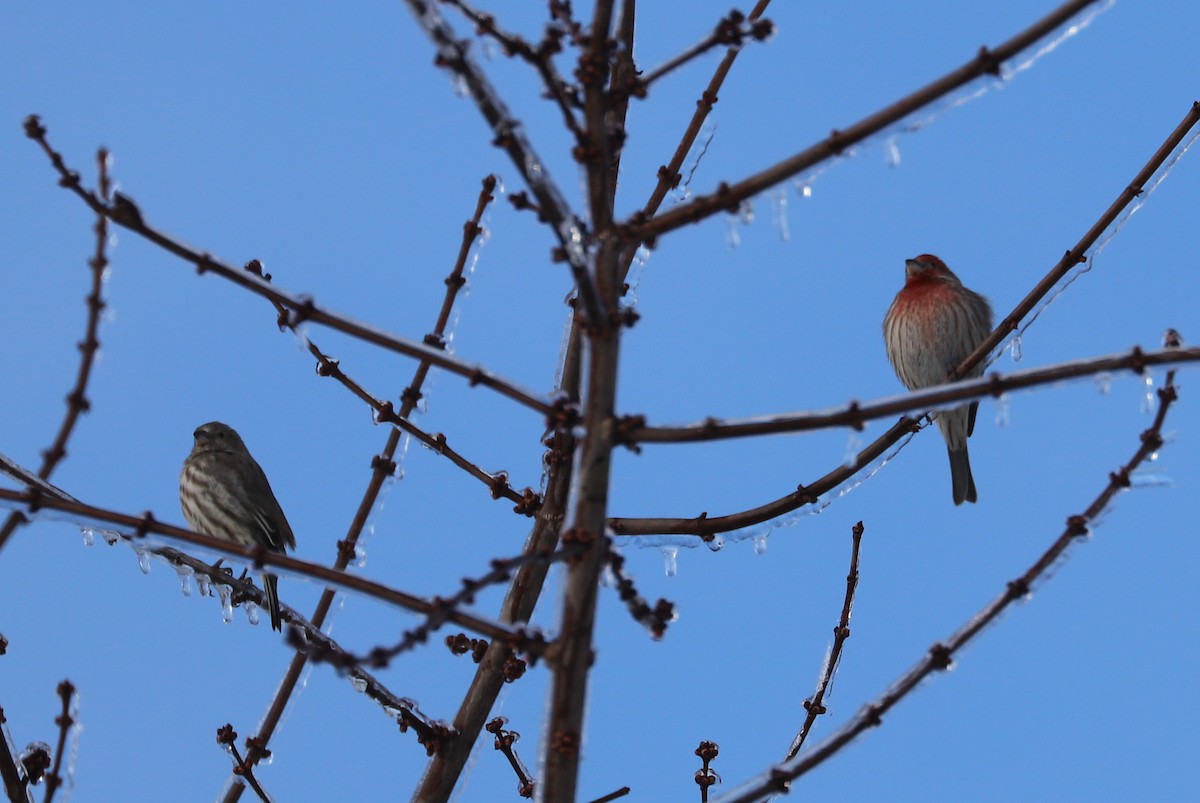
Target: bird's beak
[[201, 436], [911, 268]]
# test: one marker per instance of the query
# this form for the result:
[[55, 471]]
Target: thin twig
[[706, 776], [541, 58], [64, 721], [939, 657], [77, 400], [501, 570], [614, 795], [505, 739], [668, 175], [815, 705], [729, 196], [570, 230], [732, 31], [13, 775]]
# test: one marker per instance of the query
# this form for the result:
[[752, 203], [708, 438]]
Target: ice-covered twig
[[11, 772], [34, 500], [569, 229], [527, 501], [505, 739], [565, 95], [729, 196], [669, 175], [634, 430], [77, 400], [706, 776], [501, 570], [732, 31], [706, 527], [65, 722], [654, 619], [227, 737], [1076, 255], [815, 705], [300, 308], [940, 656]]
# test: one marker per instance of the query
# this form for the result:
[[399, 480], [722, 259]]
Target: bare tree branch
[[301, 308], [729, 196], [571, 232], [940, 656], [77, 401], [142, 525], [856, 415], [815, 705]]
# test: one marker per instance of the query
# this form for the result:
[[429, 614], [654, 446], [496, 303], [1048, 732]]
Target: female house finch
[[931, 327], [225, 494]]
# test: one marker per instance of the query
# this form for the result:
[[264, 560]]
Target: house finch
[[225, 494], [931, 327]]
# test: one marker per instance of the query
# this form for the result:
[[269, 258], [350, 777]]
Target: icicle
[[670, 560], [760, 542], [1002, 410], [891, 151], [89, 535], [1015, 348], [1148, 401], [143, 559], [779, 213], [226, 595], [186, 577]]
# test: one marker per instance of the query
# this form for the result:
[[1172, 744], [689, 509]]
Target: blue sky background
[[323, 142]]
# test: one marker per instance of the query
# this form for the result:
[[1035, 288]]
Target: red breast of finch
[[225, 494], [934, 323]]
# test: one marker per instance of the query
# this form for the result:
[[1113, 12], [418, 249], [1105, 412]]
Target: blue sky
[[324, 143]]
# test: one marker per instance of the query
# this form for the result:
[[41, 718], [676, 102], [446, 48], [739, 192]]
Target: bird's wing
[[274, 531]]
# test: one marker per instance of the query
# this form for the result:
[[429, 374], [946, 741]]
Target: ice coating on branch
[[760, 542], [682, 192], [1150, 478]]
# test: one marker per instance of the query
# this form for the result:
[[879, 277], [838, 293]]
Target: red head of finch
[[934, 323], [225, 494]]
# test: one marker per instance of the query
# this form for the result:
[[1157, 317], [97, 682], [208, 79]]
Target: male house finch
[[225, 494], [931, 327]]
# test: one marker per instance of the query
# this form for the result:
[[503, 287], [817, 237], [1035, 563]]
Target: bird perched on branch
[[225, 494], [934, 323]]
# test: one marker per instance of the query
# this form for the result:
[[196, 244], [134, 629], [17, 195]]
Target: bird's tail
[[960, 475], [270, 587]]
